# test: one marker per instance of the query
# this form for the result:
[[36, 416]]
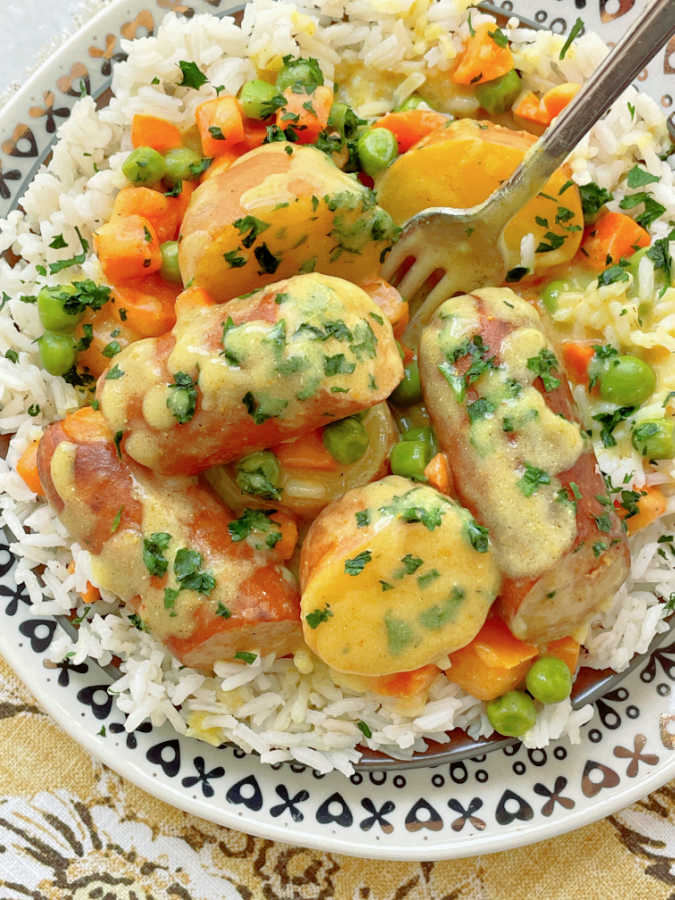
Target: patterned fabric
[[70, 828]]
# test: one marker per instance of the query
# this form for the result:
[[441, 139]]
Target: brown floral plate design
[[457, 799]]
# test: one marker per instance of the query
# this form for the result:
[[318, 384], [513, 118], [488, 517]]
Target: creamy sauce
[[520, 444], [329, 340], [411, 590]]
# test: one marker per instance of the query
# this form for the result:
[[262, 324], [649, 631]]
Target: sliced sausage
[[245, 375], [204, 583], [504, 414]]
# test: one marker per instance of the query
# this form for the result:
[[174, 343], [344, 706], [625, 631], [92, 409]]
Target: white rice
[[284, 708]]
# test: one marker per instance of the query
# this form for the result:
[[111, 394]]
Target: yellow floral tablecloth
[[71, 828]]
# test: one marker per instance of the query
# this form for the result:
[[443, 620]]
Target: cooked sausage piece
[[394, 576], [204, 583], [242, 376], [504, 414]]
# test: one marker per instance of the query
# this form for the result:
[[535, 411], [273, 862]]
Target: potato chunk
[[394, 576], [463, 164], [276, 211]]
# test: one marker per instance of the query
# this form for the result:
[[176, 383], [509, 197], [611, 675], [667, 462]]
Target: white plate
[[492, 802]]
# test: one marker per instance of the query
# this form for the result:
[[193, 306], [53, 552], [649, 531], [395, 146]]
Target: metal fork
[[462, 248]]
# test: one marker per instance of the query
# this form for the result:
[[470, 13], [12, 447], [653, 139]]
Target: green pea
[[170, 269], [627, 381], [57, 352], [409, 458], [181, 164], [497, 96], [257, 99], [512, 714], [144, 166], [303, 72], [259, 473], [551, 293], [654, 439], [346, 440], [409, 390], [51, 303], [424, 433], [343, 119], [377, 148], [414, 101], [549, 680]]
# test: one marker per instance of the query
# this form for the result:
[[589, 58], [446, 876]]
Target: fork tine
[[394, 260], [445, 288], [415, 277]]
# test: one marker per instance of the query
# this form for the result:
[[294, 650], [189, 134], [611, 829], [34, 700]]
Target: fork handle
[[644, 39]]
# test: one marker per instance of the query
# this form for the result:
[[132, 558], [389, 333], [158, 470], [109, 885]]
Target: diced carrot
[[221, 125], [151, 131], [482, 59], [191, 298], [106, 326], [530, 107], [149, 304], [255, 132], [285, 547], [220, 164], [557, 98], [390, 302], [437, 473], [86, 426], [159, 210], [411, 125], [566, 649], [128, 248], [306, 452], [651, 505], [612, 237], [494, 662], [497, 646], [91, 594], [405, 684], [306, 114], [481, 681], [577, 358], [27, 468]]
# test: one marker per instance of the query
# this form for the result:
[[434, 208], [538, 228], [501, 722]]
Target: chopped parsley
[[516, 274], [193, 77], [117, 440], [186, 567], [317, 616], [613, 274], [478, 536], [577, 29], [659, 254], [480, 408], [499, 37], [246, 657], [114, 373], [551, 242], [170, 597], [399, 633], [76, 260], [532, 480], [250, 227], [256, 520], [638, 177], [111, 349], [337, 365], [411, 564], [362, 518], [153, 552], [116, 521], [216, 133], [12, 355], [426, 578], [234, 259], [33, 410], [603, 522], [543, 365], [262, 410], [58, 243], [364, 729], [609, 421], [652, 209], [223, 611], [182, 399], [593, 198], [267, 261], [599, 548], [356, 565]]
